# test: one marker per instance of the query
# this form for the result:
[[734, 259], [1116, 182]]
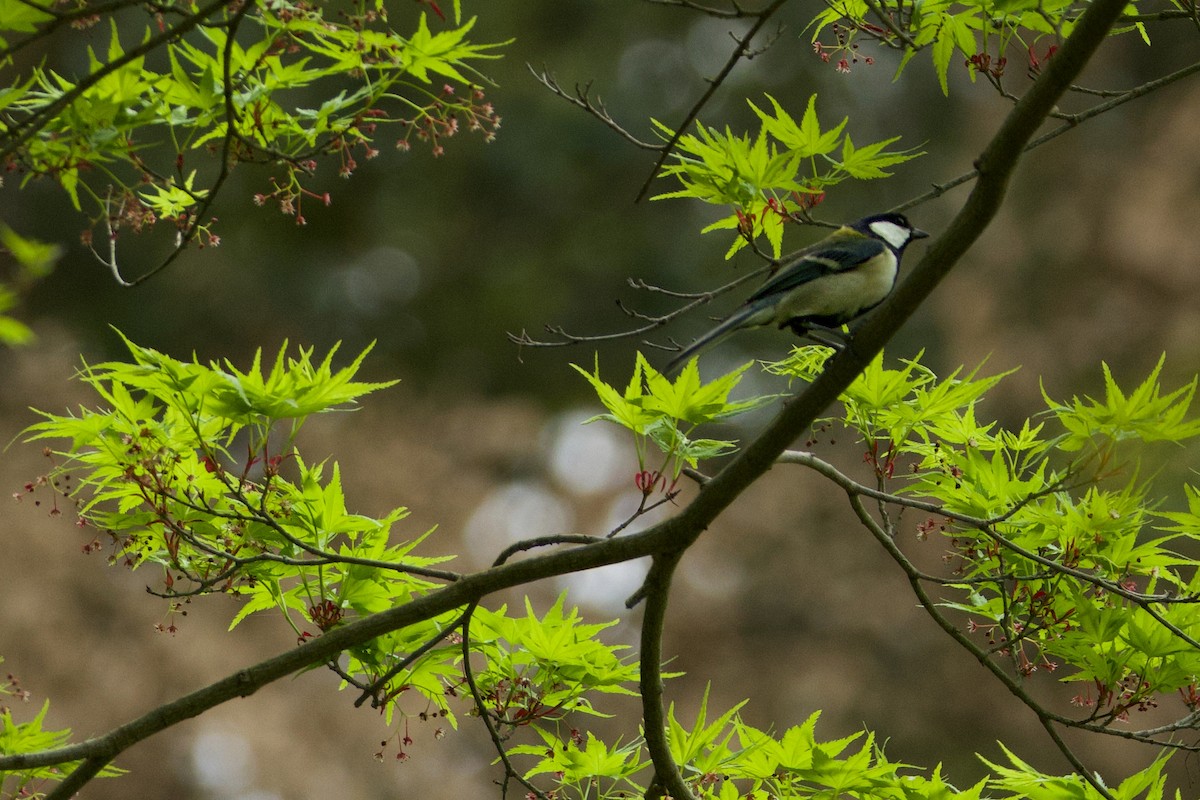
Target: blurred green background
[[1095, 256]]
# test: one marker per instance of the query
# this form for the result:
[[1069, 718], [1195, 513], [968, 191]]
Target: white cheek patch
[[895, 235]]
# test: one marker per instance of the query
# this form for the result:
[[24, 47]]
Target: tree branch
[[523, 338], [856, 491], [582, 99], [657, 589], [1073, 120], [741, 51]]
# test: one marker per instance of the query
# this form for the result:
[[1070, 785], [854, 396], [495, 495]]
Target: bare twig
[[891, 25], [582, 99], [735, 11], [565, 338], [742, 50], [1072, 121]]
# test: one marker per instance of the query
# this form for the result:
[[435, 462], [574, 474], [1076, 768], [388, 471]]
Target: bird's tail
[[742, 318]]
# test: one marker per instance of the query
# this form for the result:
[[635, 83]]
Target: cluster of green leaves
[[193, 470], [981, 34], [128, 134], [665, 413], [540, 669], [23, 737], [1059, 554], [29, 737], [726, 759], [32, 261], [782, 171], [1062, 557], [186, 468]]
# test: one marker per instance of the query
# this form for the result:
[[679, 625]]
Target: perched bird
[[825, 285]]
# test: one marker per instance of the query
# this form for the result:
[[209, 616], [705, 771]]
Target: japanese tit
[[825, 285]]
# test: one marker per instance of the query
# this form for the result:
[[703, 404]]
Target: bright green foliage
[[33, 260], [1023, 781], [194, 468], [782, 171], [665, 412], [887, 406], [981, 35], [129, 136], [1145, 414], [726, 759], [30, 737], [542, 668], [1059, 558], [1057, 555], [582, 762]]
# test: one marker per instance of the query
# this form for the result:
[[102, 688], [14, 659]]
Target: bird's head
[[893, 229]]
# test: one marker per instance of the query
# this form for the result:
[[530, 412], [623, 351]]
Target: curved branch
[[656, 590], [986, 527], [489, 723], [982, 656], [856, 491]]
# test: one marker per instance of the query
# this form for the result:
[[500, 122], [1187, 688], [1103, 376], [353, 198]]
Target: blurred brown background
[[785, 601]]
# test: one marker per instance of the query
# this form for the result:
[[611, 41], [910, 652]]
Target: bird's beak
[[917, 233]]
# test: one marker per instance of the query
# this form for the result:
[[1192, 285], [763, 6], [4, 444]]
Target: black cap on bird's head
[[892, 229]]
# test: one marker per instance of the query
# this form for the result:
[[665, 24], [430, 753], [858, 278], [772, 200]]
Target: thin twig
[[231, 135], [735, 12], [582, 99], [742, 50], [565, 338], [493, 733], [981, 656], [891, 25], [1073, 120]]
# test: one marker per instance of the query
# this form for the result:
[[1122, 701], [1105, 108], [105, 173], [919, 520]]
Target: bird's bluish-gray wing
[[834, 257]]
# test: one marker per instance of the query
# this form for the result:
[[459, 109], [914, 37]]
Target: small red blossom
[[1035, 63]]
